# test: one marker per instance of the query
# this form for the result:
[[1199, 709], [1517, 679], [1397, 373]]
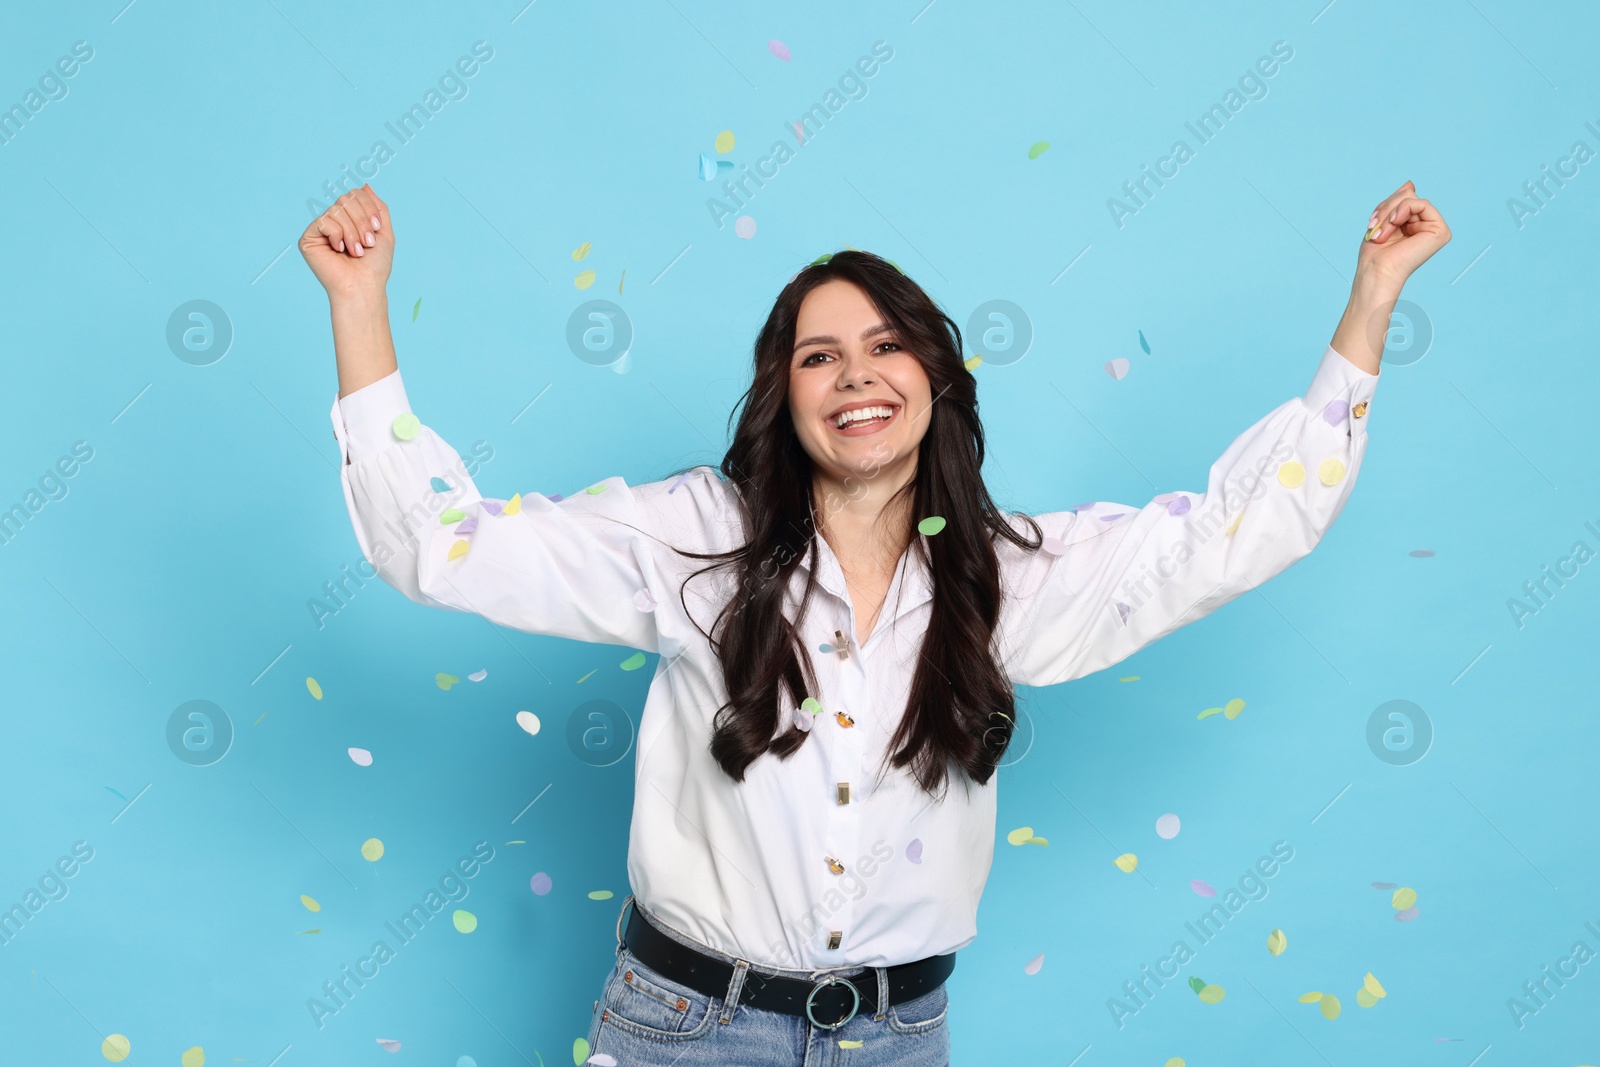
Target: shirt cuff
[[363, 421], [1341, 393]]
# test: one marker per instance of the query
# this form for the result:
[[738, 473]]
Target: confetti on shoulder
[[931, 525]]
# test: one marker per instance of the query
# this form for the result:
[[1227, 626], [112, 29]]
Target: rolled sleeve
[[363, 420]]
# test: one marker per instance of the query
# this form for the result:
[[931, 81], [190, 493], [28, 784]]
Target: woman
[[814, 806]]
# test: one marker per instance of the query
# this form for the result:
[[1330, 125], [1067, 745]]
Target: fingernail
[[360, 251], [369, 239], [376, 225], [1393, 214], [341, 244], [1373, 221]]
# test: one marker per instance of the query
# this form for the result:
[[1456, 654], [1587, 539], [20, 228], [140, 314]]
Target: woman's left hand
[[1403, 232]]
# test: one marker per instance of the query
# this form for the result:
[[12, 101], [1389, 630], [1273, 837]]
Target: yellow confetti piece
[[445, 681], [406, 425], [1371, 985], [1232, 708], [1330, 471], [1292, 474], [457, 550], [1208, 713], [1365, 999], [972, 362], [1329, 1005], [1129, 678], [372, 850], [620, 281], [513, 505], [849, 1044], [318, 930], [1403, 898], [464, 921], [584, 279], [633, 662], [586, 677], [1176, 1061], [310, 903], [195, 1057], [1019, 835], [1036, 841], [1234, 525], [1212, 994], [1310, 998], [115, 1048], [1127, 862], [314, 688], [580, 1051], [724, 143], [582, 250], [1277, 942], [600, 894]]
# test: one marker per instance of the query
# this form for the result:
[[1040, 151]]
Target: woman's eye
[[892, 344]]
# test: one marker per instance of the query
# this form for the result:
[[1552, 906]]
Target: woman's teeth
[[863, 416]]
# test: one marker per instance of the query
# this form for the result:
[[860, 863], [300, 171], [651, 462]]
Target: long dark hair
[[961, 706]]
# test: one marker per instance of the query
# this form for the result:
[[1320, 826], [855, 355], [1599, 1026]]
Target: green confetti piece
[[1208, 713], [1196, 983], [1143, 343], [931, 525], [445, 681], [452, 515], [595, 490], [405, 426], [633, 662], [416, 308], [580, 1051], [821, 259], [464, 921], [1039, 148], [439, 485], [811, 704], [599, 894], [895, 265]]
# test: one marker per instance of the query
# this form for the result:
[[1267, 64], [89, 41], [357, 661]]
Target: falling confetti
[[387, 1045], [1405, 915], [1230, 710], [1403, 898], [1330, 471], [1326, 1002], [811, 704], [779, 49], [633, 662], [464, 921], [362, 757], [600, 894], [1033, 965], [846, 1043], [1143, 344], [1383, 885], [528, 721], [1208, 993], [1020, 835], [1167, 826], [123, 798], [620, 281], [972, 362], [450, 515], [745, 227], [406, 426], [595, 490], [478, 676], [513, 505], [316, 931], [115, 1048], [1420, 553], [802, 720], [1277, 941], [644, 601], [581, 251], [310, 903], [439, 485], [1202, 888], [586, 677], [724, 142], [457, 550], [445, 681], [372, 850], [194, 1057], [1176, 1061], [930, 525], [1335, 411], [1127, 862], [1179, 505], [580, 1051], [914, 850], [314, 688], [416, 308], [584, 279], [540, 884], [1117, 368], [1039, 148]]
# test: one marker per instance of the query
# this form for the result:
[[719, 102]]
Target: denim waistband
[[699, 946]]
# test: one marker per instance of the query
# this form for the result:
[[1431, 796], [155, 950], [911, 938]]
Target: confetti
[[1329, 1005], [724, 142], [811, 704], [1143, 343], [372, 850], [1330, 471], [1234, 525], [633, 662], [620, 281], [1403, 898], [914, 850], [1117, 368], [528, 721], [445, 681], [595, 490], [802, 720], [600, 894], [1365, 999], [116, 1048], [1020, 835], [457, 550], [388, 1045], [450, 515], [644, 601], [1291, 474], [491, 506], [681, 479], [1053, 546], [1036, 841], [438, 484], [1202, 888], [585, 678], [478, 676], [406, 426], [1167, 826], [1212, 994], [1039, 148], [1421, 553], [464, 921], [972, 363], [1335, 411], [930, 525], [581, 251], [779, 49], [416, 308], [1371, 984], [310, 903], [1176, 1061], [540, 884], [584, 279], [602, 1059], [1232, 709], [513, 505], [314, 688], [362, 757], [1277, 941], [745, 227], [580, 1051], [1179, 505], [1383, 885], [846, 1043], [1127, 862], [1405, 915], [194, 1057], [1310, 998], [1033, 965]]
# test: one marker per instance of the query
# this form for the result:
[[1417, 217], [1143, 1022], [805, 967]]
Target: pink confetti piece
[[1335, 412], [388, 1045], [1202, 888], [914, 850], [1054, 546], [1383, 885], [540, 884], [802, 720], [1033, 965], [478, 676], [800, 132], [1178, 505], [602, 1059], [744, 227], [1167, 826], [779, 49], [1406, 915], [493, 507], [362, 757], [1117, 368], [1113, 518], [468, 525], [1421, 553]]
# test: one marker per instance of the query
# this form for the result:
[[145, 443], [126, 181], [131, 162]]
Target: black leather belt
[[836, 997]]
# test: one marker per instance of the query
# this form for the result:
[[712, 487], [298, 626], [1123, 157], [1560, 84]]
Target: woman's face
[[847, 357]]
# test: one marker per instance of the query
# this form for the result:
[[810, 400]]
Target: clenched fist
[[350, 247]]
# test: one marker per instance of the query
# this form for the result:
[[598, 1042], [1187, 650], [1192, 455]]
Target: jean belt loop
[[883, 993], [620, 913], [730, 1001]]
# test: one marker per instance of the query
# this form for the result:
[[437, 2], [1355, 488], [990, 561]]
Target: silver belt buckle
[[833, 980]]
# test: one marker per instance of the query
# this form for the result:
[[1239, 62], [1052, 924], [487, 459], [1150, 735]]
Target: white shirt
[[744, 867]]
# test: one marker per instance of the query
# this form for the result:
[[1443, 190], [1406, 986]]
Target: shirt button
[[834, 937], [842, 793], [1359, 410], [834, 865]]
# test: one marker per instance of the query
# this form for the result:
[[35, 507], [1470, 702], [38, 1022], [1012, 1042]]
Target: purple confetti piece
[[1112, 518], [1202, 888], [1383, 885], [802, 720], [1178, 505], [681, 479], [493, 507], [555, 498], [1421, 553], [1054, 546], [540, 884], [1406, 915], [779, 49], [1122, 611], [914, 850], [1079, 507], [468, 525], [1335, 412]]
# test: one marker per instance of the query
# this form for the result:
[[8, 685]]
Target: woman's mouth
[[863, 422]]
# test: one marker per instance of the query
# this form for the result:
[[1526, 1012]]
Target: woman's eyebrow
[[829, 339]]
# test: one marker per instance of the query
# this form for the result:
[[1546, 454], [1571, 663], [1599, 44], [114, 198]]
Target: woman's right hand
[[350, 247]]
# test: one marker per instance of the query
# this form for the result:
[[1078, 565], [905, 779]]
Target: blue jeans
[[644, 1019]]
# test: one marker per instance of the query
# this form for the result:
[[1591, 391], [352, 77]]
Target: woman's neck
[[869, 528]]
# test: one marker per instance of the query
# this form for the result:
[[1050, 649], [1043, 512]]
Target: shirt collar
[[911, 586]]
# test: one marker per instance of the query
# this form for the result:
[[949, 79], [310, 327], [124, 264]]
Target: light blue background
[[180, 562]]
